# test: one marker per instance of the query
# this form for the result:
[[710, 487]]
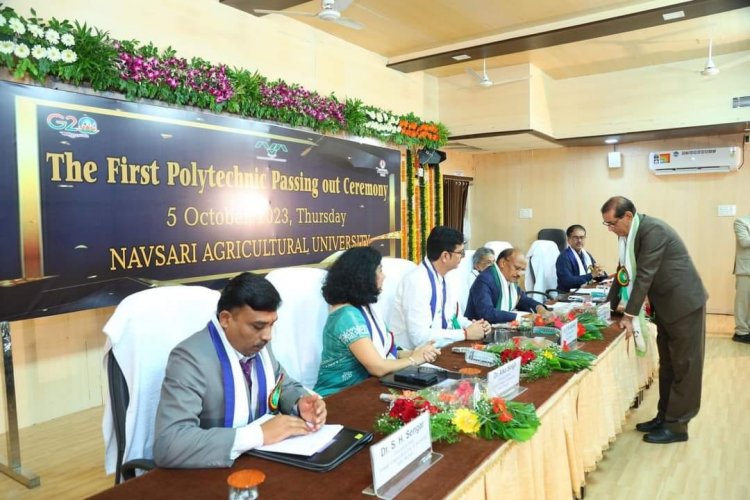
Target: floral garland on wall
[[82, 55], [79, 54], [410, 240]]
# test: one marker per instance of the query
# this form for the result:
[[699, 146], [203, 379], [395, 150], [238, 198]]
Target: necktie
[[247, 369]]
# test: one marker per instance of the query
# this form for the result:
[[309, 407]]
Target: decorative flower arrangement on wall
[[79, 54]]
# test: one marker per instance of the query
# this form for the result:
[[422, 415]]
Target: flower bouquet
[[539, 360], [549, 324], [461, 407], [592, 326]]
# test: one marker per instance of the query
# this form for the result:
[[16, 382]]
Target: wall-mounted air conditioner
[[695, 161]]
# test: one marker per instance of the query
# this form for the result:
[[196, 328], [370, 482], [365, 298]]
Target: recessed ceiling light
[[461, 57], [611, 141], [670, 16]]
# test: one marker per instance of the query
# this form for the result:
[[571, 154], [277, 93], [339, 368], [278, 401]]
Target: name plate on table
[[569, 333], [504, 382], [401, 458], [604, 312]]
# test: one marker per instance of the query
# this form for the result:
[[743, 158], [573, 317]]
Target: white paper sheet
[[306, 445]]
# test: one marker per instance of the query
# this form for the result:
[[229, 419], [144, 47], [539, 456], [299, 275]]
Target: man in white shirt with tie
[[424, 307]]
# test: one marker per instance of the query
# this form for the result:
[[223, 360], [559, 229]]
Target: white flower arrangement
[[17, 26], [68, 40], [38, 52], [68, 56], [382, 122], [21, 51], [53, 54], [37, 41], [52, 37], [36, 30]]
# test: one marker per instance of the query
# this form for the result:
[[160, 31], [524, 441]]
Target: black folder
[[345, 444], [417, 377]]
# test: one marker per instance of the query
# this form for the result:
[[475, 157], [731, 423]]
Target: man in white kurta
[[425, 309]]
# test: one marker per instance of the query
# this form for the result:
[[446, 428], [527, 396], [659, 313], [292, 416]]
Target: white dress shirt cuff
[[246, 438]]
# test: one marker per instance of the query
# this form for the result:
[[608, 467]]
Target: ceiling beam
[[620, 24], [623, 138]]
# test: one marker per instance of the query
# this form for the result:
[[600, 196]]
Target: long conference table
[[581, 414]]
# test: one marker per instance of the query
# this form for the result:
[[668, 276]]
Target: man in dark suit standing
[[654, 262]]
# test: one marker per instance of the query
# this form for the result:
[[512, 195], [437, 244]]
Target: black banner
[[101, 197]]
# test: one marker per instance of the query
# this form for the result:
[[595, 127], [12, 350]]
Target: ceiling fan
[[330, 11], [710, 69], [485, 80]]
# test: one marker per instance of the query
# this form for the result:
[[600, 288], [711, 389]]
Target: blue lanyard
[[226, 375], [392, 350], [228, 380], [433, 297]]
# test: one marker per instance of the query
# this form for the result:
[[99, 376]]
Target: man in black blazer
[[495, 293], [665, 273]]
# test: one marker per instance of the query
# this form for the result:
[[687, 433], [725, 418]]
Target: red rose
[[404, 410]]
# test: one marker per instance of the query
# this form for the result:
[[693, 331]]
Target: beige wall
[[58, 359], [58, 365], [568, 186]]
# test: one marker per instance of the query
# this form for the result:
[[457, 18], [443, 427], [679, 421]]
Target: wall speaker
[[431, 156], [614, 159]]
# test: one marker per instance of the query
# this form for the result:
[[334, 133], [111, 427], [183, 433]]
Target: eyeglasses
[[611, 223], [462, 253], [578, 238]]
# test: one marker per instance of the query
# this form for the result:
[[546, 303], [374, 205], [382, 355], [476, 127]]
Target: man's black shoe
[[665, 436], [652, 425], [745, 339]]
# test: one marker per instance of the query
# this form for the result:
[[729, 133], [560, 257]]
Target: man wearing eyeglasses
[[425, 309], [575, 266], [495, 294], [654, 262]]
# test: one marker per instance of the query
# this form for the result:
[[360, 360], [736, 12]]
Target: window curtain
[[455, 196]]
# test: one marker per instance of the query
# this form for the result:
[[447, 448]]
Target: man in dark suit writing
[[654, 263]]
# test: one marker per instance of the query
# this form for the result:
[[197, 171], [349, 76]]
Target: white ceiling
[[408, 30]]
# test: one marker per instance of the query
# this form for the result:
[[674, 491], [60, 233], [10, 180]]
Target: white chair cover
[[394, 270], [540, 273], [497, 246], [142, 332], [460, 279], [298, 334]]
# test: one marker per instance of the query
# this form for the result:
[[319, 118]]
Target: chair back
[[553, 234], [141, 333], [394, 269], [497, 246], [460, 279], [541, 274], [298, 333]]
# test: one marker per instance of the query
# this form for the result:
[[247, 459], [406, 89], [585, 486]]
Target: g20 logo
[[71, 126]]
